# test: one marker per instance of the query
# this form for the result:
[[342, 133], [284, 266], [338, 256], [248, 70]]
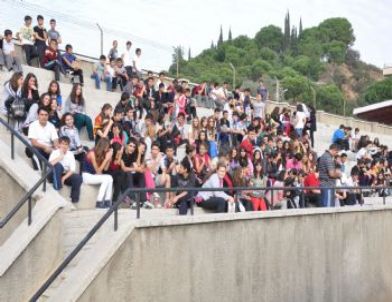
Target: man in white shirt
[[43, 135], [137, 62], [127, 59], [64, 167], [12, 62]]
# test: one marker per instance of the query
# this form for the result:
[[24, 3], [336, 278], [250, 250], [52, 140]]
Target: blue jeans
[[107, 80], [299, 131], [327, 196], [74, 181]]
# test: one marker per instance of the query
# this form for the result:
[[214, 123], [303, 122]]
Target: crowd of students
[[138, 141]]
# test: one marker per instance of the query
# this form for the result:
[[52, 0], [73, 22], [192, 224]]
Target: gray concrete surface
[[10, 193], [324, 255], [34, 264]]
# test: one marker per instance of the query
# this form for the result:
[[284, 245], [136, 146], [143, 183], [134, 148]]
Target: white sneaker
[[148, 205]]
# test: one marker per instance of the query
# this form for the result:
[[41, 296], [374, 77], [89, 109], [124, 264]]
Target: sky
[[156, 26]]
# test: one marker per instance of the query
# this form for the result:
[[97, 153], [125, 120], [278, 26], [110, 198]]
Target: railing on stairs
[[138, 191], [46, 169]]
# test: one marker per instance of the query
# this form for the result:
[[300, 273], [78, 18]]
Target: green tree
[[287, 33], [271, 37], [268, 54], [337, 29], [230, 36], [296, 86], [294, 41], [258, 68], [330, 98], [335, 51], [378, 92], [220, 39], [300, 27]]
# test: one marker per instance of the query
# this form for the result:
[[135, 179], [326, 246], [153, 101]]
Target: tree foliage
[[379, 91], [295, 57]]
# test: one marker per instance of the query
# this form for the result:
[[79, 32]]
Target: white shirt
[[300, 120], [361, 153], [136, 61], [8, 47], [68, 162], [127, 58], [43, 134]]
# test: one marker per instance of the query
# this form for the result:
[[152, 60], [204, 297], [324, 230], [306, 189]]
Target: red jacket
[[247, 146]]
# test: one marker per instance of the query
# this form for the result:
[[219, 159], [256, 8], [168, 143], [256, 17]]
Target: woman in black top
[[30, 91]]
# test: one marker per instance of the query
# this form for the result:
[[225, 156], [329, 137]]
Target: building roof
[[378, 112]]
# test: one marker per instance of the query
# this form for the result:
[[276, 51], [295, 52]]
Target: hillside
[[317, 65]]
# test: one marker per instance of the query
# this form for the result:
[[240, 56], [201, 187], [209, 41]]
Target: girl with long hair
[[96, 163], [30, 90], [103, 122], [75, 104], [55, 92]]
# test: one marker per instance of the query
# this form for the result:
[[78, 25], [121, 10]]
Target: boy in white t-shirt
[[64, 167]]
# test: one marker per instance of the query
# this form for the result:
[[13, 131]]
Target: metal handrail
[[47, 169], [114, 209]]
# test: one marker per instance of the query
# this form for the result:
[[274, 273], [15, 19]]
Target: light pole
[[233, 68], [100, 29]]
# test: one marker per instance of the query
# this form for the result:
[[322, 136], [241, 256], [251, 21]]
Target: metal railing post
[[115, 217], [192, 206], [44, 169], [384, 197], [138, 205], [12, 145], [29, 219]]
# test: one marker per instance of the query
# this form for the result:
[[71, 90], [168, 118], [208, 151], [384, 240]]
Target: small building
[[379, 112]]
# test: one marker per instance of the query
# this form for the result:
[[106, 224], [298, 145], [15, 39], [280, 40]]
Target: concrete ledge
[[88, 196]]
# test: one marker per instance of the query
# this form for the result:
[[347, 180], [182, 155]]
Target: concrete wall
[[34, 265], [11, 192], [341, 255]]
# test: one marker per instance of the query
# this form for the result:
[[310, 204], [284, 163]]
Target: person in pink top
[[295, 162], [181, 101]]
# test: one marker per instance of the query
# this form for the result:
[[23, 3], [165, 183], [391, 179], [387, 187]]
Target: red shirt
[[50, 55], [247, 146], [311, 180]]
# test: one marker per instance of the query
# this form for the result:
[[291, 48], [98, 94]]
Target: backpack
[[18, 109]]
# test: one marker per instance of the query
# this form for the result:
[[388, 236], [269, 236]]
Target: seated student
[[64, 168], [51, 60], [71, 63], [26, 36], [119, 176], [216, 201], [29, 90], [55, 92], [133, 164], [54, 114], [97, 161], [43, 136], [11, 61], [120, 75], [101, 73], [69, 130], [124, 102], [186, 179], [103, 122], [160, 177], [32, 115], [75, 104], [12, 90]]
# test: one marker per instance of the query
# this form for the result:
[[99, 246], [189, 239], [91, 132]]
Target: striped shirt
[[326, 164]]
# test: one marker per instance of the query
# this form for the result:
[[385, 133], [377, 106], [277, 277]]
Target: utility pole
[[101, 31], [233, 68]]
